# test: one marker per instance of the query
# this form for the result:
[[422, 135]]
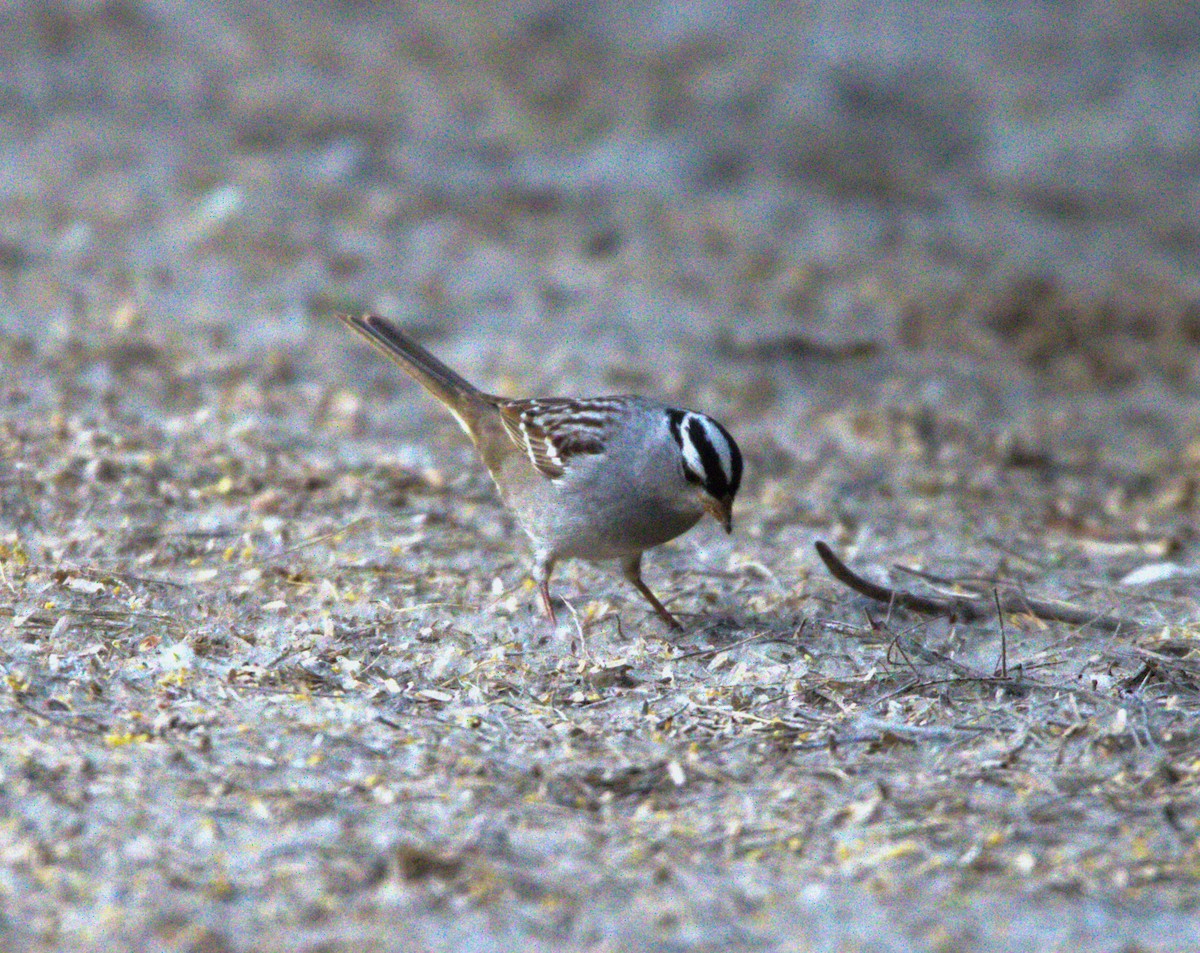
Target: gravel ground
[[272, 673]]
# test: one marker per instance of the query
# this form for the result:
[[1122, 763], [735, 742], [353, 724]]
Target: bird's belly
[[616, 528]]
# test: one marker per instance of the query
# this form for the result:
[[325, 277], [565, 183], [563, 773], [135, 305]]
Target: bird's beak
[[721, 511]]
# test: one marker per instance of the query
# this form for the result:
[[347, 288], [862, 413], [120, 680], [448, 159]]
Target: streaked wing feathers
[[550, 431]]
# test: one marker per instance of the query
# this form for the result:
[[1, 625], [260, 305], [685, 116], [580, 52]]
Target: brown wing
[[550, 431]]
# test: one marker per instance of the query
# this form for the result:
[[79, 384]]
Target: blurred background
[[268, 662], [758, 207]]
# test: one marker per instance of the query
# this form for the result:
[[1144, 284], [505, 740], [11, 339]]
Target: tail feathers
[[454, 391]]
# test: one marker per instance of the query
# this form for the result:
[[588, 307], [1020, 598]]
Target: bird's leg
[[541, 575], [544, 589], [632, 567]]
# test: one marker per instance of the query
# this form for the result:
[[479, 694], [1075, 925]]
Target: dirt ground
[[272, 672]]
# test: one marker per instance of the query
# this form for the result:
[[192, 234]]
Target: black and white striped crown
[[711, 458]]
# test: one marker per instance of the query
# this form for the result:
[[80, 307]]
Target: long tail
[[458, 394]]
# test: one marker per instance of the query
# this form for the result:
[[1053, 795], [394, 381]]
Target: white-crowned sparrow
[[595, 478]]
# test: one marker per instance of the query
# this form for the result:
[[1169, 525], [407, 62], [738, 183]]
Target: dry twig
[[973, 605]]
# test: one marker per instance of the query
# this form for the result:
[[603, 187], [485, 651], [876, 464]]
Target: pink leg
[[541, 575], [544, 589], [633, 572]]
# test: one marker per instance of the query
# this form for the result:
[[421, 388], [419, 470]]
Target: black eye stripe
[[714, 473], [698, 436], [735, 459]]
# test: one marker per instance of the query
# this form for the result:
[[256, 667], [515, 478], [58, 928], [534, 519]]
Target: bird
[[593, 478]]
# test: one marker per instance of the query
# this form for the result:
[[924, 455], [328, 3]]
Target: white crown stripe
[[691, 453]]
